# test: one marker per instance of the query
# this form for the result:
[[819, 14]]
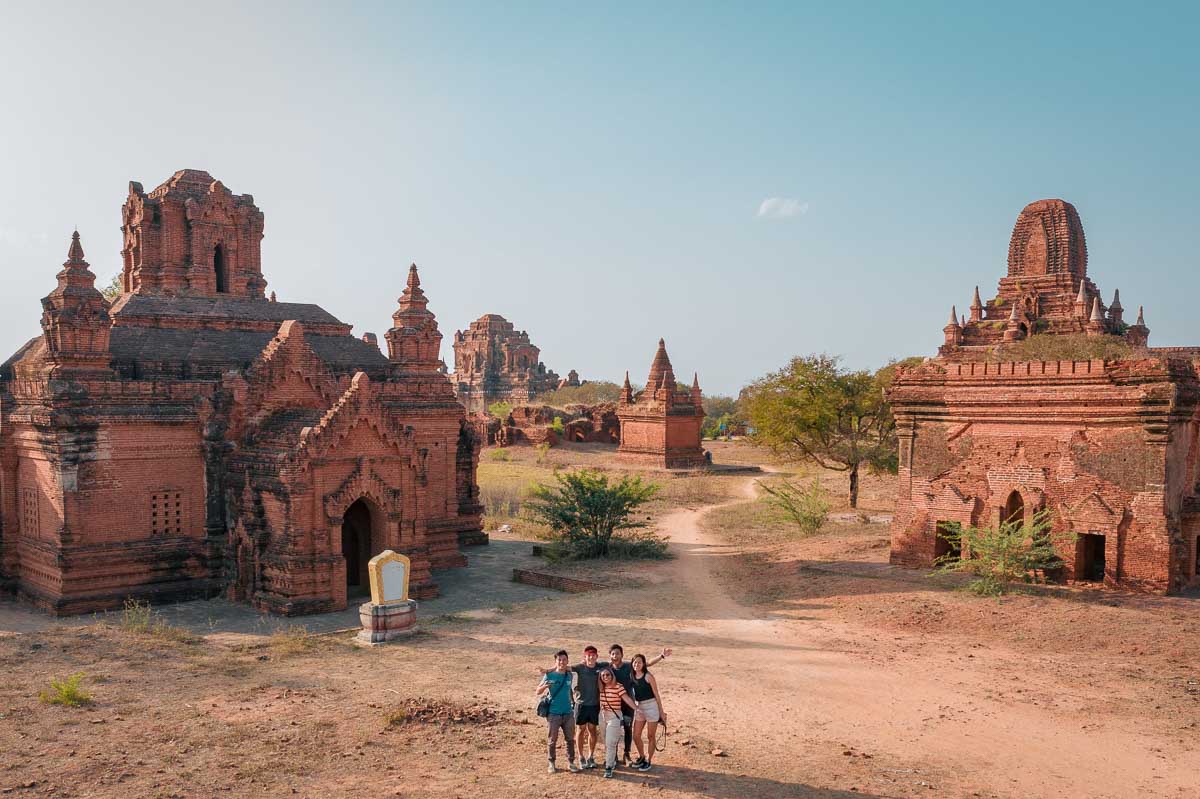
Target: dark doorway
[[1196, 573], [219, 269], [948, 546], [1014, 509], [1090, 558], [356, 547]]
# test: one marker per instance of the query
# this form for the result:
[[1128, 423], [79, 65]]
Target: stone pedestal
[[382, 623]]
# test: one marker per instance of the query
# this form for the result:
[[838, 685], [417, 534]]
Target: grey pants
[[566, 723], [610, 723]]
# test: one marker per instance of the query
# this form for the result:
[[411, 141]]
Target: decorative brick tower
[[1110, 448], [661, 425]]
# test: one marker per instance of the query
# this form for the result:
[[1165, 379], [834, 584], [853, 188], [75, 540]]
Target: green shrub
[[591, 517], [557, 425], [807, 507], [66, 692], [1016, 551], [500, 410], [500, 454], [542, 450]]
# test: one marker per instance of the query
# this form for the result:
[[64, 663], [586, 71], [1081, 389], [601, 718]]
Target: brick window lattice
[[166, 513], [30, 521]]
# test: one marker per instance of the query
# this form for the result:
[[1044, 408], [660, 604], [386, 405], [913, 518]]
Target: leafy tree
[[814, 410], [719, 410], [113, 289], [1013, 551], [807, 507], [589, 393], [587, 514], [500, 410]]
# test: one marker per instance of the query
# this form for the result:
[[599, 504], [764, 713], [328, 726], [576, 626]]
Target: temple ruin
[[494, 362], [1109, 447], [195, 437], [660, 426]]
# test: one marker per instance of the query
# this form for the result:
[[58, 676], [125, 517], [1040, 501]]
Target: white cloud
[[781, 208]]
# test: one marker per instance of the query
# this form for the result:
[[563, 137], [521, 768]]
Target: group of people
[[603, 699]]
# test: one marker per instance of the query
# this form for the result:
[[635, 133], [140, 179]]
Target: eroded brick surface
[[194, 437], [1108, 447]]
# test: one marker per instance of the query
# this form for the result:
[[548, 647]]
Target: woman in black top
[[648, 714]]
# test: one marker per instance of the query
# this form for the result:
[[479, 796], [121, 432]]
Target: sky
[[749, 181]]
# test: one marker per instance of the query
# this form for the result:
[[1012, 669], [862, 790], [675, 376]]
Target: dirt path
[[813, 693]]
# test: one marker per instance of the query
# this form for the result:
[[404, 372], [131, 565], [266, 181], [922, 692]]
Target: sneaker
[[607, 773], [571, 767], [550, 769], [643, 766], [591, 763], [637, 764]]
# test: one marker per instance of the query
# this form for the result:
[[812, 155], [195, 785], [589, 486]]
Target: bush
[[136, 616], [66, 692], [542, 450], [500, 410], [500, 454], [557, 425], [807, 507], [1011, 552], [587, 515]]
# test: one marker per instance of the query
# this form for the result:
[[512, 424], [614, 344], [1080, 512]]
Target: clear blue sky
[[596, 175]]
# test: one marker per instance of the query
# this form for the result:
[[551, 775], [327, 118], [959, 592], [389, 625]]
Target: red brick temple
[[1110, 447], [661, 425], [194, 437], [495, 362]]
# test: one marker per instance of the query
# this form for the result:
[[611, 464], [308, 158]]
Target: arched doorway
[[1014, 509], [356, 547], [219, 269]]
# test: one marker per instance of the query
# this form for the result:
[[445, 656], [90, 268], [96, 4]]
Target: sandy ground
[[813, 680]]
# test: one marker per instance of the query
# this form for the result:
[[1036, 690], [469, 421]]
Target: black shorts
[[587, 714]]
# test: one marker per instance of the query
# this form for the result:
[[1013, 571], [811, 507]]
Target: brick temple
[[195, 437], [495, 362], [1109, 447], [660, 426]]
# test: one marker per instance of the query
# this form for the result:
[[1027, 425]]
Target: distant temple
[[1111, 448], [661, 425], [194, 437], [493, 362]]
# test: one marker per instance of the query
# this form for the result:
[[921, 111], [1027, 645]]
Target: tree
[[593, 392], [113, 289], [1013, 551], [718, 410], [586, 512], [814, 410]]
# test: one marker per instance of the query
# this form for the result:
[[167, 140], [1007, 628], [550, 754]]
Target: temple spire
[[661, 372], [1013, 317], [1097, 314], [1141, 320], [953, 316], [627, 390], [75, 252], [697, 397], [976, 307]]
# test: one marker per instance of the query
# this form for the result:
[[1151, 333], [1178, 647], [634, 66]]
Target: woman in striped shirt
[[612, 696]]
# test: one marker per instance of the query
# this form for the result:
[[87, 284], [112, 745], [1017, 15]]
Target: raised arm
[[666, 653]]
